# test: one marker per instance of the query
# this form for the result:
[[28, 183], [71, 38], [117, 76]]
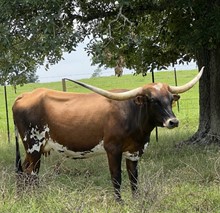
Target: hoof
[[25, 181], [119, 200]]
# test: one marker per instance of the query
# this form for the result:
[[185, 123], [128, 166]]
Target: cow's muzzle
[[171, 123]]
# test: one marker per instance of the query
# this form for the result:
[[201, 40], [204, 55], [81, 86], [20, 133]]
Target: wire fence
[[50, 77], [188, 106]]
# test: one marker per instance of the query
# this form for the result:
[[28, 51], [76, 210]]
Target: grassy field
[[171, 179]]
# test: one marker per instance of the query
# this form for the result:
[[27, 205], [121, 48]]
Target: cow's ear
[[176, 97], [140, 99]]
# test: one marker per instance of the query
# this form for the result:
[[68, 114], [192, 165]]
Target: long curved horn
[[187, 86], [111, 95]]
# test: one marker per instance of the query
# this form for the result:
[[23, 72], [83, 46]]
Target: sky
[[77, 65]]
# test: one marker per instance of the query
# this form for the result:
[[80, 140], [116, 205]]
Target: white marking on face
[[131, 156], [39, 138], [158, 86], [98, 149]]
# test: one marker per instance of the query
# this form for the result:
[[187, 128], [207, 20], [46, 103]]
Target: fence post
[[64, 84], [157, 138], [6, 110]]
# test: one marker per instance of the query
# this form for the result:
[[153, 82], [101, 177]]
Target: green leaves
[[146, 34], [32, 32], [163, 32]]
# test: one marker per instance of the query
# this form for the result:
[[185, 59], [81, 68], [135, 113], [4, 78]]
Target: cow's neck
[[144, 124]]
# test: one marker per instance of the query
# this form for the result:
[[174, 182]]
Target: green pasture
[[171, 179]]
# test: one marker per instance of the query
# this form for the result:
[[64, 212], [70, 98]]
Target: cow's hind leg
[[31, 165]]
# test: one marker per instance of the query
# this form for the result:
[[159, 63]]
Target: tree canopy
[[147, 34]]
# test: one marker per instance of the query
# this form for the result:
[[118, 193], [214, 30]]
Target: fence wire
[[188, 104]]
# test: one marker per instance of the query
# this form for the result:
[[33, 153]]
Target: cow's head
[[159, 98], [159, 101]]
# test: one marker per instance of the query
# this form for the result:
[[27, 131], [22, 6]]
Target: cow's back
[[27, 104]]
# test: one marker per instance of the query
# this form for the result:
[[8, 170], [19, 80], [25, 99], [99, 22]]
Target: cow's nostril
[[173, 122]]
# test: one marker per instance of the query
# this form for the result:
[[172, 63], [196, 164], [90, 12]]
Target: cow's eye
[[153, 101]]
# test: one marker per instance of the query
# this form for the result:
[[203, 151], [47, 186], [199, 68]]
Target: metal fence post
[[6, 110]]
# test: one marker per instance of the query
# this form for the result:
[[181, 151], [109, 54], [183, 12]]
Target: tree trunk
[[209, 98]]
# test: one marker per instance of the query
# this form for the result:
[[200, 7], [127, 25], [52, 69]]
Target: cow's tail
[[18, 166]]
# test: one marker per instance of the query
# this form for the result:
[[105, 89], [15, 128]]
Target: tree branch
[[119, 15]]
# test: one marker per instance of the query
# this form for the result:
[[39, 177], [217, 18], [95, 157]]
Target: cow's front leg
[[132, 169], [114, 161]]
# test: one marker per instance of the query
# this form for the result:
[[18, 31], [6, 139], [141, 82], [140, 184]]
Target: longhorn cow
[[117, 122]]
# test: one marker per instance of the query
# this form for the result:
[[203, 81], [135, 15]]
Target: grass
[[171, 179]]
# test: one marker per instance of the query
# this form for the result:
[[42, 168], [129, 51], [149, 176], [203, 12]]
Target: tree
[[147, 34], [16, 65], [97, 73], [15, 77]]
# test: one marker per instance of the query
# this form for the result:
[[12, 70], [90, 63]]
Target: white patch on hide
[[98, 149], [135, 156], [132, 156], [39, 138], [158, 86]]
